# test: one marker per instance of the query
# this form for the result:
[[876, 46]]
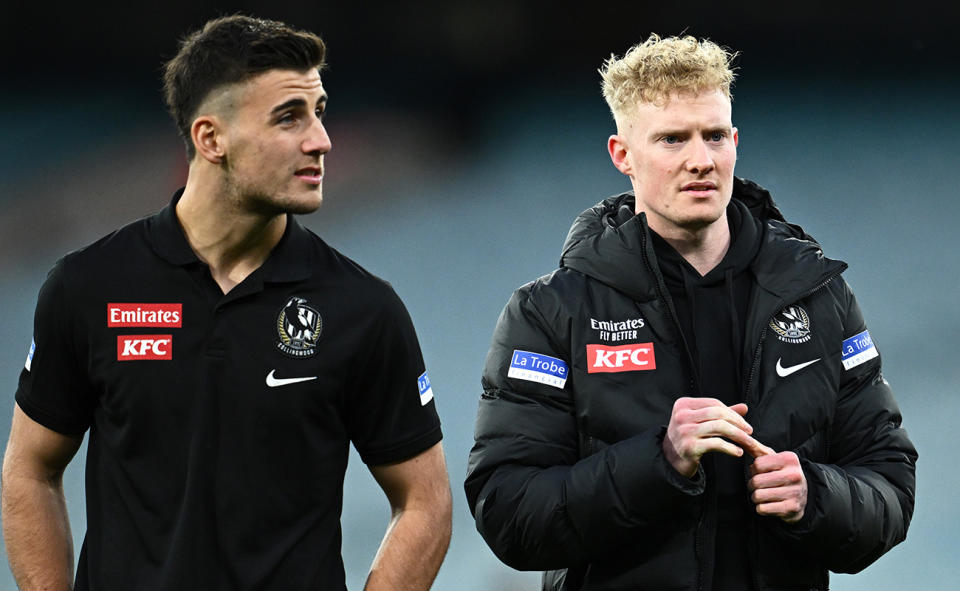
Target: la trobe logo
[[298, 328]]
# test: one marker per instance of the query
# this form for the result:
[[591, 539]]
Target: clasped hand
[[702, 425]]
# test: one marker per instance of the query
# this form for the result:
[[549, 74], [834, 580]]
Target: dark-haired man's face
[[276, 142]]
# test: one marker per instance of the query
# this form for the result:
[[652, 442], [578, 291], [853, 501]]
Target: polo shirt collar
[[290, 259]]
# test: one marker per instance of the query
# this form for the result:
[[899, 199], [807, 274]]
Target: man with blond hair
[[692, 400]]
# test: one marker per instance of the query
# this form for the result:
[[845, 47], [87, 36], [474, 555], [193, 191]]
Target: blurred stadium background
[[468, 135]]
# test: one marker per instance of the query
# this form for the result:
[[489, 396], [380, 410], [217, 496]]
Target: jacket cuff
[[691, 486]]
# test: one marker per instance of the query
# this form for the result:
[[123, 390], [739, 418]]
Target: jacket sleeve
[[860, 504], [536, 502]]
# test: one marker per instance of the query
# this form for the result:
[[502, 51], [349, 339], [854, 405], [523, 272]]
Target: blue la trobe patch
[[536, 367], [858, 349], [425, 389]]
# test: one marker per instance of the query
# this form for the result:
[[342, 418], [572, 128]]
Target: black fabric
[[569, 475], [711, 310], [200, 474]]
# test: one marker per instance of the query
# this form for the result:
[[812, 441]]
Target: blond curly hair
[[653, 70]]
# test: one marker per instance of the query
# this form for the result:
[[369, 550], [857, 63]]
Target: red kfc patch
[[136, 347], [635, 357], [150, 315]]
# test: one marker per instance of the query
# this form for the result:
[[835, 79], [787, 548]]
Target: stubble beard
[[262, 201], [690, 222]]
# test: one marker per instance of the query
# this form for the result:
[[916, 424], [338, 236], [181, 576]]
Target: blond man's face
[[680, 158]]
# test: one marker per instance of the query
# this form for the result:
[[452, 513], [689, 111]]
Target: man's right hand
[[701, 425]]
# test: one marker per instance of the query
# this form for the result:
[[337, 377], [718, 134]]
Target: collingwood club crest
[[792, 325], [298, 327]]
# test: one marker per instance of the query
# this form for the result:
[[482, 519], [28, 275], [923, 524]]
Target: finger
[[700, 402], [776, 508], [774, 495], [759, 450], [787, 510], [721, 428], [765, 463], [720, 413], [739, 436], [774, 479], [776, 461], [718, 444], [740, 409]]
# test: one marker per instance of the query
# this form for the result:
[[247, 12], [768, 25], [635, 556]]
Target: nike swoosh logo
[[274, 382], [785, 371]]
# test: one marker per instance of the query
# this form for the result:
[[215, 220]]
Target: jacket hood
[[608, 240]]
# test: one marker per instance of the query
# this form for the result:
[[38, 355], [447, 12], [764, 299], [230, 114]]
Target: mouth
[[310, 174], [699, 187]]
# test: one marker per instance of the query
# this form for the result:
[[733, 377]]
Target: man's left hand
[[778, 486]]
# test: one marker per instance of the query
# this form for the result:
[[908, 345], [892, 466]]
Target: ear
[[736, 137], [208, 138], [617, 147]]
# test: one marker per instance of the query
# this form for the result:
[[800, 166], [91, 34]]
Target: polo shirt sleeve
[[54, 389], [391, 414]]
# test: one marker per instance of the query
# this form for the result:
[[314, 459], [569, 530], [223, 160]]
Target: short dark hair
[[229, 50]]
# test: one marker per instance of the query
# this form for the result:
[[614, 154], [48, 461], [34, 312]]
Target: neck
[[703, 248], [232, 241]]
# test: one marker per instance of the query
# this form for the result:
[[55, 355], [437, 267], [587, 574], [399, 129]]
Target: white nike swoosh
[[785, 371], [274, 382]]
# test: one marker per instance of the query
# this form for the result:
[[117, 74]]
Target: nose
[[316, 142], [700, 160]]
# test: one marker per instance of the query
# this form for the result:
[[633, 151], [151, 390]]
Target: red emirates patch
[[136, 347], [150, 315], [635, 357]]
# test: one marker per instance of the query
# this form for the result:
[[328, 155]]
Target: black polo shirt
[[220, 424]]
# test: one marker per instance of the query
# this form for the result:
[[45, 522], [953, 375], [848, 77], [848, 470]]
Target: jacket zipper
[[755, 364], [693, 383], [694, 379]]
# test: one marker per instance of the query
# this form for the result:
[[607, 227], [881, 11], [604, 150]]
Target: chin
[[299, 204], [277, 203], [699, 222], [303, 207]]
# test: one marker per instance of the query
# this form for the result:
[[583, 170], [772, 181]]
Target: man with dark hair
[[223, 358], [692, 401]]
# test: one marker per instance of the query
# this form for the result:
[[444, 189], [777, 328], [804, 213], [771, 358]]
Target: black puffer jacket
[[567, 473]]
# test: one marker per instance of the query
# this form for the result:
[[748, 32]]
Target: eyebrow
[[681, 131], [297, 102], [668, 131]]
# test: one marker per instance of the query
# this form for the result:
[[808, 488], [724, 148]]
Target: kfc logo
[[636, 357], [134, 347]]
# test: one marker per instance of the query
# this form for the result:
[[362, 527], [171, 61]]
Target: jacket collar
[[610, 244]]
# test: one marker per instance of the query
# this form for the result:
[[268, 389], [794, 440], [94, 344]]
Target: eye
[[718, 136], [286, 119], [670, 139], [320, 113]]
